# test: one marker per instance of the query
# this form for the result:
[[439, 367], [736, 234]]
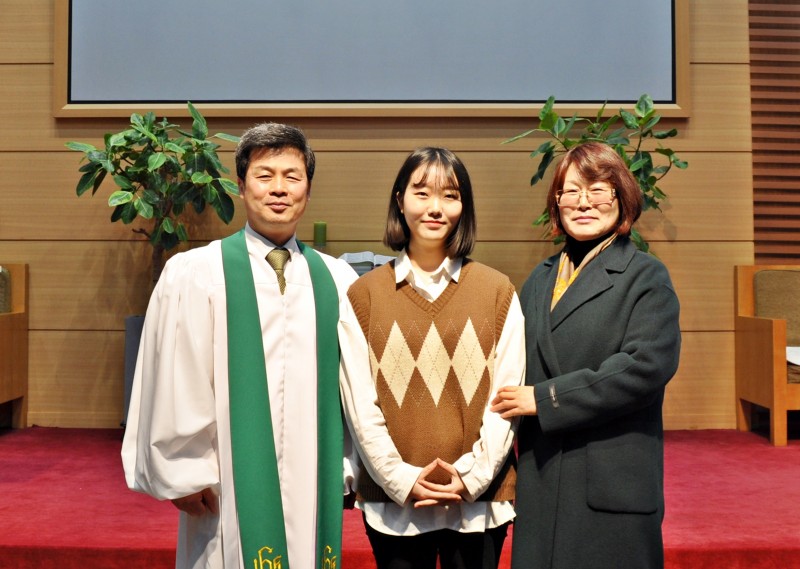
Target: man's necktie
[[277, 259]]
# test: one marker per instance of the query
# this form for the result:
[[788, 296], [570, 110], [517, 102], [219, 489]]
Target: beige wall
[[87, 274]]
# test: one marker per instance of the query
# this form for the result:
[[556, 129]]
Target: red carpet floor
[[733, 501]]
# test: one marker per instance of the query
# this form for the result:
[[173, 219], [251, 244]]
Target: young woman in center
[[431, 338]]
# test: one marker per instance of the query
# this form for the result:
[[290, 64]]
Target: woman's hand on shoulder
[[514, 400]]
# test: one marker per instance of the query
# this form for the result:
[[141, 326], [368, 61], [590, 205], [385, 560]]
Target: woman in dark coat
[[603, 340]]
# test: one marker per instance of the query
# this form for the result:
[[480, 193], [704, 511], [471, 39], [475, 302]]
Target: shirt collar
[[263, 246], [404, 270]]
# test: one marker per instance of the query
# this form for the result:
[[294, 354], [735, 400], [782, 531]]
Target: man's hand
[[199, 504], [512, 401], [427, 493]]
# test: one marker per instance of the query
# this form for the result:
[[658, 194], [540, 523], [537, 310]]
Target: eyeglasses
[[594, 196]]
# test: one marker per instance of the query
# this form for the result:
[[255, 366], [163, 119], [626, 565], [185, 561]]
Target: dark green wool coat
[[590, 491]]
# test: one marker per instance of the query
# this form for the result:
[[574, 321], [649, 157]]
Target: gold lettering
[[263, 562], [328, 560]]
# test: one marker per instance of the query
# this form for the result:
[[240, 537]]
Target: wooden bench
[[14, 349]]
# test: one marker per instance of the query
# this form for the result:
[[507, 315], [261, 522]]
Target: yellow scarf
[[567, 272]]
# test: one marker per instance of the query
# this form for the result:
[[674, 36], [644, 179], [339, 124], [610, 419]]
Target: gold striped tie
[[277, 259]]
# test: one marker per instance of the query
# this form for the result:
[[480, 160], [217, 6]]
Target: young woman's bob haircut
[[452, 174], [597, 162]]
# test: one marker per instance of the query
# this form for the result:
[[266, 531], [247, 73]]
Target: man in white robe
[[177, 443]]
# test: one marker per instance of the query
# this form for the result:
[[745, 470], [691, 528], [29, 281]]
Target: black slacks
[[453, 550]]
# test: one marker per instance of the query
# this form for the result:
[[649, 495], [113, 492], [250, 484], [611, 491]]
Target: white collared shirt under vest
[[177, 440]]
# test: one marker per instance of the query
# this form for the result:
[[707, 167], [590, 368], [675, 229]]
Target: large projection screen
[[367, 57]]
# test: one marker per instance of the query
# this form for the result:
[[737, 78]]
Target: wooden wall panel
[[361, 182], [76, 378], [87, 274], [82, 285], [701, 395], [26, 31], [716, 32]]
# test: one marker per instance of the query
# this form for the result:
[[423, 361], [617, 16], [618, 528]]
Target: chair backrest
[[777, 295]]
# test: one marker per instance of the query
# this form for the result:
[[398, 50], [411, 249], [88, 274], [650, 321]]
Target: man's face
[[275, 192]]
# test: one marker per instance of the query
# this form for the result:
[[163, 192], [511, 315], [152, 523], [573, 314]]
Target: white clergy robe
[[177, 439]]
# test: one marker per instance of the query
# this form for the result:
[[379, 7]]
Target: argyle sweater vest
[[432, 364]]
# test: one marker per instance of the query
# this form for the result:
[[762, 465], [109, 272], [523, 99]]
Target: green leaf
[[600, 112], [543, 218], [201, 178], [119, 197], [544, 148], [199, 125], [143, 208], [229, 186], [155, 161], [146, 133], [619, 134], [169, 240], [629, 119], [223, 205], [128, 212], [151, 197], [523, 135], [568, 127], [101, 175], [176, 148], [662, 134], [559, 128], [682, 164], [640, 243], [80, 147], [101, 158], [167, 226], [547, 109], [213, 164], [547, 158], [644, 105], [195, 162], [123, 182], [180, 231], [651, 123], [637, 165], [228, 137], [118, 139], [86, 182]]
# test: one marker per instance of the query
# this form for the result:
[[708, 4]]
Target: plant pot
[[133, 332]]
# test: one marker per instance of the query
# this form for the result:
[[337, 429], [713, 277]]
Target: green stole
[[255, 467]]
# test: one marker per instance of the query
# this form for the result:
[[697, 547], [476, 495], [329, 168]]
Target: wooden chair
[[766, 317], [14, 348]]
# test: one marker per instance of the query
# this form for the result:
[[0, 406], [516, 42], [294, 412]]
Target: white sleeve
[[168, 449], [365, 418], [479, 467]]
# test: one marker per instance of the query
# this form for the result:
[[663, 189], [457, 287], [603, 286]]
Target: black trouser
[[454, 550]]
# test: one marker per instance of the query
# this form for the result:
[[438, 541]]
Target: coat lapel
[[543, 292], [594, 279]]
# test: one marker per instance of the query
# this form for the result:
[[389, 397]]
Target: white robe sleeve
[[169, 449]]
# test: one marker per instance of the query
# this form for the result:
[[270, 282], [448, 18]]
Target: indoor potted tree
[[628, 139], [160, 171]]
